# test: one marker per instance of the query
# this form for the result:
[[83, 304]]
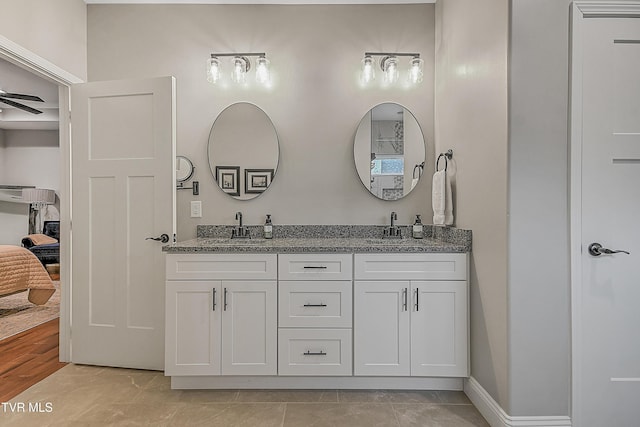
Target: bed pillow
[[39, 239]]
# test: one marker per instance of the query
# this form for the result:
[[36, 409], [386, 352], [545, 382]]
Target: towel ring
[[420, 168], [447, 156], [446, 162]]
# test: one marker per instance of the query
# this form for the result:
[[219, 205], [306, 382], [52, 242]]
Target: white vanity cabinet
[[315, 314], [221, 314], [317, 320], [411, 315]]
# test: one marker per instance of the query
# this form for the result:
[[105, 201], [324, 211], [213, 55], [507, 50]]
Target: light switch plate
[[196, 209]]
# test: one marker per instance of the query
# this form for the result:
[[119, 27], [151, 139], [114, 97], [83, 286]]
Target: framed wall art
[[257, 180], [228, 178]]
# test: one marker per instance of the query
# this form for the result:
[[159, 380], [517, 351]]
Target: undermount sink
[[230, 240]]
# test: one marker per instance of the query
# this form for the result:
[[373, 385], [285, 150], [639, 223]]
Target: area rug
[[17, 314]]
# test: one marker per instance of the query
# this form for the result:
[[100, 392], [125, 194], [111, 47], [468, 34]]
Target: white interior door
[[123, 191], [608, 353]]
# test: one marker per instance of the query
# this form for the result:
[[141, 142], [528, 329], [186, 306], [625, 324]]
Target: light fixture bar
[[213, 55], [416, 55]]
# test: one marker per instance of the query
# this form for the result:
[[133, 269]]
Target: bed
[[20, 271]]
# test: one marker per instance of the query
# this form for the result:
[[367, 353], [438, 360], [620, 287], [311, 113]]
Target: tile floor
[[93, 396]]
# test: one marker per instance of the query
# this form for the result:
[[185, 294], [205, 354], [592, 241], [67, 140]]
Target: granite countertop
[[324, 239]]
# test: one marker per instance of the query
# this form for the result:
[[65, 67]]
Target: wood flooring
[[27, 358]]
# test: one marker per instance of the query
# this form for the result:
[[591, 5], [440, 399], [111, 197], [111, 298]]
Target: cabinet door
[[192, 340], [249, 328], [439, 329], [381, 328]]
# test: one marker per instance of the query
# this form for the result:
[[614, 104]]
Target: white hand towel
[[414, 181], [441, 199]]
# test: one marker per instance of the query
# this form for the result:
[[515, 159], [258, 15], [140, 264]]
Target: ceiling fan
[[4, 95]]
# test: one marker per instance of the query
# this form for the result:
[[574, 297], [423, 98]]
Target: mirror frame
[[213, 168], [422, 162]]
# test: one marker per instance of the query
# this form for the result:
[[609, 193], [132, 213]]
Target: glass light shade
[[390, 68], [239, 73], [263, 75], [416, 72], [368, 73], [213, 70]]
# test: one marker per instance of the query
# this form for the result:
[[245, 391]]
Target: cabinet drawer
[[314, 352], [314, 267], [425, 266], [221, 266], [315, 304]]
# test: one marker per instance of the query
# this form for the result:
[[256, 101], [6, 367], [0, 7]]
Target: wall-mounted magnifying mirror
[[184, 169], [184, 172], [243, 151], [389, 151]]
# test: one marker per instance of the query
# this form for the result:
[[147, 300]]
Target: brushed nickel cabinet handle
[[315, 305], [310, 353]]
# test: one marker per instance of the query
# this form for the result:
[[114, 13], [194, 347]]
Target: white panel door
[[193, 328], [381, 328], [123, 191], [249, 328], [439, 329], [609, 357]]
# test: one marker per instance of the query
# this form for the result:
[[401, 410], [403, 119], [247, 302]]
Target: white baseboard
[[497, 417]]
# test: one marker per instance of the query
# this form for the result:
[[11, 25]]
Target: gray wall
[[471, 118], [27, 157], [55, 30], [539, 298], [315, 104]]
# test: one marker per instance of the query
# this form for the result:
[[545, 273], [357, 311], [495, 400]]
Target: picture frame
[[257, 180], [228, 178]]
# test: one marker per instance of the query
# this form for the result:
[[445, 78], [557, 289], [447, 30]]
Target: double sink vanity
[[318, 307]]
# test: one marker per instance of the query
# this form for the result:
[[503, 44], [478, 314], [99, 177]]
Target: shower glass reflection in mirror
[[389, 151]]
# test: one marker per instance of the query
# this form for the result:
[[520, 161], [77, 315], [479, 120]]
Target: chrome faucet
[[393, 231], [240, 232]]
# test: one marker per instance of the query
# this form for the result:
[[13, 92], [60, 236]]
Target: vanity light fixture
[[389, 67], [241, 65], [368, 69], [213, 70], [416, 71]]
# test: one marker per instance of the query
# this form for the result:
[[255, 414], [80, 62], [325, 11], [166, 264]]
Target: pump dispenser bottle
[[268, 228], [418, 231]]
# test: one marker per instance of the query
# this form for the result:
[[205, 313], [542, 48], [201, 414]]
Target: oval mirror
[[243, 151], [389, 151], [184, 169]]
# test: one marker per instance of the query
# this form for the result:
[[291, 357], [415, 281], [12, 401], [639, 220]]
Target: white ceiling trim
[[259, 1]]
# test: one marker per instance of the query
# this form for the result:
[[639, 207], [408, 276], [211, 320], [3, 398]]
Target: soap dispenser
[[268, 228], [418, 232]]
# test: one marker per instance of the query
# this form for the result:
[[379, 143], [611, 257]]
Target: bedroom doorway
[[40, 67]]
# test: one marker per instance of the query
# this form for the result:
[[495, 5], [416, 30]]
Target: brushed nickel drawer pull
[[315, 266], [309, 353], [315, 305]]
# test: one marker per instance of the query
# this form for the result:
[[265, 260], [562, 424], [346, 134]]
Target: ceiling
[[261, 1], [14, 79]]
